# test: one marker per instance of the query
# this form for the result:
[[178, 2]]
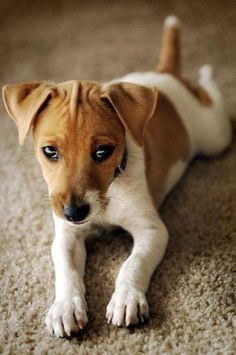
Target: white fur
[[68, 312], [172, 21], [174, 175], [92, 198], [131, 207]]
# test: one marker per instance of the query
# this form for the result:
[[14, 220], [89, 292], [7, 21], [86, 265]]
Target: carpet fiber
[[191, 293]]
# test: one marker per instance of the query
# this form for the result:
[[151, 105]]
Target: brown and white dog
[[110, 153]]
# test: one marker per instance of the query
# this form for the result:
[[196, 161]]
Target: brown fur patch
[[166, 142], [134, 105], [169, 61]]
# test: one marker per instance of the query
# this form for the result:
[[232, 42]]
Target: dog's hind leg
[[207, 81], [169, 61], [216, 129]]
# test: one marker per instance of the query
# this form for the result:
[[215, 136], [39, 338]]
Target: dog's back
[[189, 119]]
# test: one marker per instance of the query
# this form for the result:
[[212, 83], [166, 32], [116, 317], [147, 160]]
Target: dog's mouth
[[78, 223]]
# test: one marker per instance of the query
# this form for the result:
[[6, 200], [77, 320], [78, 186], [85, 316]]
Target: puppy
[[110, 153]]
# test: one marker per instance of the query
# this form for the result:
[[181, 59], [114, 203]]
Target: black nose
[[76, 213]]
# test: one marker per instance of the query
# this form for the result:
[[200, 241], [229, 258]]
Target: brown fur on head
[[76, 117]]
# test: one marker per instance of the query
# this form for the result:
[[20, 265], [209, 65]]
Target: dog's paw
[[126, 307], [66, 316]]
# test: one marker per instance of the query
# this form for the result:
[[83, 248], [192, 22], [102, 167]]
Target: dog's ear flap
[[24, 102], [134, 104]]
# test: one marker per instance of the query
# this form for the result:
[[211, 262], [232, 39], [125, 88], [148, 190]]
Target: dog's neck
[[129, 186], [133, 168]]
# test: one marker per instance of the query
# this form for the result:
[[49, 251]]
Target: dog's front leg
[[128, 304], [68, 312]]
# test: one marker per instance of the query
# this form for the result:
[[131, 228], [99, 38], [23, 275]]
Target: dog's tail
[[169, 61]]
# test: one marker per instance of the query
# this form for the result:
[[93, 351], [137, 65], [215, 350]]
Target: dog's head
[[79, 132]]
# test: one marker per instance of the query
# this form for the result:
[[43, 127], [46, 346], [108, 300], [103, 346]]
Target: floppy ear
[[24, 102], [134, 104]]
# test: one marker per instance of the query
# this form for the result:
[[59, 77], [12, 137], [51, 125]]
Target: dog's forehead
[[80, 88], [79, 94], [77, 109]]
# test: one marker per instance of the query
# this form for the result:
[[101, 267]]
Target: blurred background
[[99, 40], [191, 294]]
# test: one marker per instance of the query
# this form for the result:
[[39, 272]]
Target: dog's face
[[79, 145], [79, 137]]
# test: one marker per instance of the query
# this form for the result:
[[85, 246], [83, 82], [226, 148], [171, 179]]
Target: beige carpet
[[191, 294]]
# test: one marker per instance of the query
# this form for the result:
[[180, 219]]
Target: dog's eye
[[50, 152], [102, 152]]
